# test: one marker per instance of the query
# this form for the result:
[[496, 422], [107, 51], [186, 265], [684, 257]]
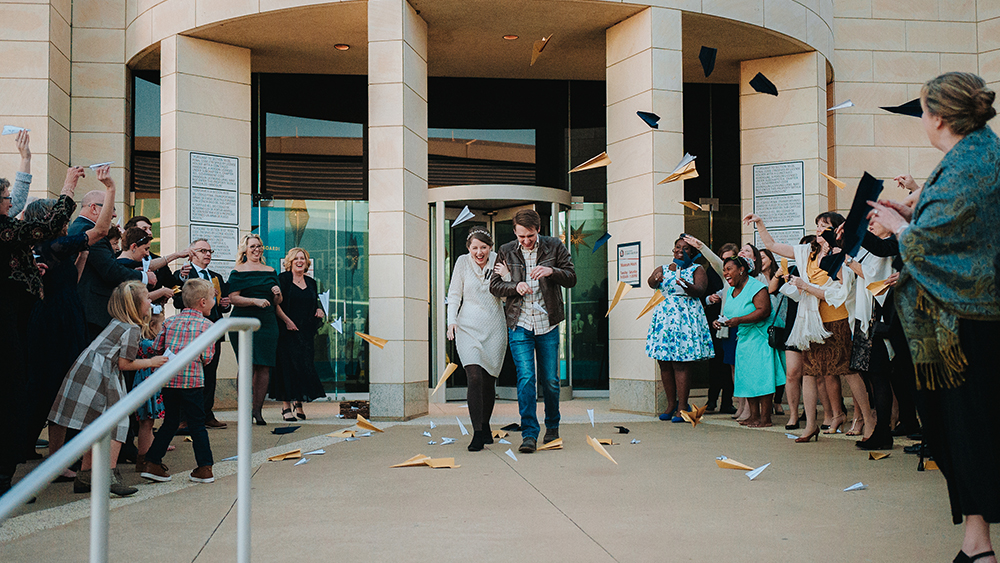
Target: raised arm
[[713, 259], [779, 248], [22, 179], [100, 229]]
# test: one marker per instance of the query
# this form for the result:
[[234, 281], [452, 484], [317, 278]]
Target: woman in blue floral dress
[[678, 333]]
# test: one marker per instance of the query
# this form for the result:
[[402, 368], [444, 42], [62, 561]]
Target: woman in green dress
[[254, 292]]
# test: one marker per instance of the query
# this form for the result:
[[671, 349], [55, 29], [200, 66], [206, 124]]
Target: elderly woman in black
[[948, 302], [19, 280]]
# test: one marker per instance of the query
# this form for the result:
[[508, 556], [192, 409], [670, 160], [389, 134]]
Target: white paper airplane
[[634, 441], [511, 455], [301, 461], [446, 441], [538, 307], [96, 166], [232, 458], [464, 216], [688, 157], [753, 474], [431, 443], [461, 427], [428, 434], [13, 129], [846, 104], [859, 486], [502, 441], [350, 439], [365, 435], [590, 413], [316, 452], [791, 436], [169, 354], [324, 300], [338, 325], [433, 426]]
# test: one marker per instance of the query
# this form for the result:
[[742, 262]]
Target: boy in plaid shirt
[[185, 392]]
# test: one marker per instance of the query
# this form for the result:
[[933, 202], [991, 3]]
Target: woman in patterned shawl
[[947, 298]]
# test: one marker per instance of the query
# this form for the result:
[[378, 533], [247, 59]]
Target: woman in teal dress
[[759, 368], [254, 292]]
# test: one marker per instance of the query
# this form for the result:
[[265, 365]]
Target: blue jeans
[[525, 347]]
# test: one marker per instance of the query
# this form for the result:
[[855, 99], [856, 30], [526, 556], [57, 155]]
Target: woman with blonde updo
[[254, 292], [295, 378], [947, 298]]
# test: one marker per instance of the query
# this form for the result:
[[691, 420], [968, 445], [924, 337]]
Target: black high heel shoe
[[963, 558], [298, 407], [258, 419], [286, 415], [477, 441]]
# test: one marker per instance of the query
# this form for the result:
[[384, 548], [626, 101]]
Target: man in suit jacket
[[102, 272], [201, 257]]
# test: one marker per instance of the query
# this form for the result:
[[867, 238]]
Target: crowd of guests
[[98, 290]]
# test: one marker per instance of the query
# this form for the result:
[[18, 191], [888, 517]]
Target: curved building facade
[[361, 129]]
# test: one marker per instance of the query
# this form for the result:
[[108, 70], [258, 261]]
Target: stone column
[[205, 108], [101, 114], [399, 243], [35, 85], [789, 127], [644, 72]]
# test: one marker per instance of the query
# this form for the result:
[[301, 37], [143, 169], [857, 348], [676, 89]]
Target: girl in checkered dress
[[95, 382]]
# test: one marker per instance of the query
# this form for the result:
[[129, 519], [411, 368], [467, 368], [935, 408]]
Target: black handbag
[[777, 335]]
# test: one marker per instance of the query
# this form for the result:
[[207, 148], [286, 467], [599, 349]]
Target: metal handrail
[[97, 435]]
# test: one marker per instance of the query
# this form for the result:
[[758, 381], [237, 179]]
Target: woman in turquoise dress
[[759, 367], [678, 332], [254, 292]]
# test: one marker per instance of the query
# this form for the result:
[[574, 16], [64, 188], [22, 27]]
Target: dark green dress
[[257, 285]]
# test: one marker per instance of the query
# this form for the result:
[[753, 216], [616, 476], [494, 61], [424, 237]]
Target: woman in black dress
[[60, 311], [295, 379]]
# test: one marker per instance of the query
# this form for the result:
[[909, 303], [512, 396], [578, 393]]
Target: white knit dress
[[481, 336]]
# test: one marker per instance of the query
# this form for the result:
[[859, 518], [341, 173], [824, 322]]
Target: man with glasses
[[201, 257], [164, 277]]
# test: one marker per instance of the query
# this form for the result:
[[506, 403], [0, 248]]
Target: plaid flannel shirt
[[533, 315], [179, 331]]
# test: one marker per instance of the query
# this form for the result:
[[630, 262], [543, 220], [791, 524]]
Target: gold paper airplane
[[218, 288], [834, 181], [606, 442], [177, 289], [294, 454], [930, 465], [684, 171], [538, 47], [444, 376], [784, 267], [597, 162], [414, 461], [374, 340], [875, 456], [556, 444], [655, 300], [345, 433], [623, 289], [363, 423], [694, 415], [600, 449], [878, 288], [691, 205], [732, 464], [498, 434]]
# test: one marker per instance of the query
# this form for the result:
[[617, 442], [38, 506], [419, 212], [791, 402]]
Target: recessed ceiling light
[[510, 37], [341, 46]]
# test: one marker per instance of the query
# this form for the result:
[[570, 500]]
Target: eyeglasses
[[205, 251], [7, 197], [98, 204]]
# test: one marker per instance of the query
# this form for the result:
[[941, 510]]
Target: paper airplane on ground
[[538, 47], [791, 436], [621, 291], [365, 435], [285, 430], [634, 441], [510, 454], [598, 161], [590, 413], [879, 287], [428, 434], [324, 300], [433, 426], [231, 458], [338, 325], [556, 444], [461, 426], [464, 216], [502, 441], [875, 456], [835, 181], [441, 463], [694, 415], [606, 442], [859, 486], [685, 170], [601, 241], [294, 454], [756, 472], [842, 105], [301, 461], [345, 433], [655, 300], [414, 461], [600, 449], [380, 342], [96, 166], [450, 369], [726, 463], [432, 443], [351, 439], [13, 129], [446, 441], [363, 423], [499, 434], [316, 452]]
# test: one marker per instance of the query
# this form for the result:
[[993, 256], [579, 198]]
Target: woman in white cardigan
[[477, 325]]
